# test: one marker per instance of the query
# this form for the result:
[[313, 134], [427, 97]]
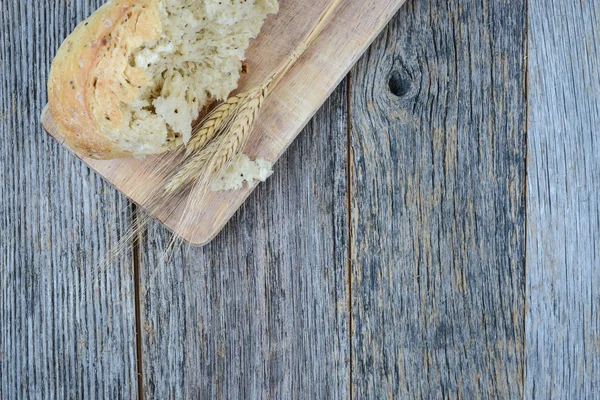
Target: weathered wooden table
[[434, 232]]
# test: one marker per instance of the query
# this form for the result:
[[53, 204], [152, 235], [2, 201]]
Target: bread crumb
[[243, 169]]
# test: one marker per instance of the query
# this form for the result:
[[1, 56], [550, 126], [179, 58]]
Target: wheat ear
[[230, 134], [223, 132], [209, 127]]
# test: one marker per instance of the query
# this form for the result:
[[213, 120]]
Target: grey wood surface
[[563, 203], [66, 328], [261, 312], [433, 233], [438, 141]]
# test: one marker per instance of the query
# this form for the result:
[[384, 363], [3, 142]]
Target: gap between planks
[[137, 301], [349, 164], [524, 193]]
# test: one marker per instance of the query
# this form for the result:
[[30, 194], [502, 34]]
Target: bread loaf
[[132, 77]]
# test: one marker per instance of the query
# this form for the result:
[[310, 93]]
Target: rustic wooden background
[[433, 233]]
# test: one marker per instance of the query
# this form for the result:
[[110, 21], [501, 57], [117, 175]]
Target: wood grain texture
[[66, 328], [262, 311], [438, 141], [445, 299], [283, 114], [563, 201]]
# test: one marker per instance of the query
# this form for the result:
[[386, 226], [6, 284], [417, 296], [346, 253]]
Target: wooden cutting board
[[285, 112]]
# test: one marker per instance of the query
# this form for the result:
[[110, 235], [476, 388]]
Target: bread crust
[[91, 76]]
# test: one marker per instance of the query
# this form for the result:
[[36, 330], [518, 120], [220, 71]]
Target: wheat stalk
[[216, 140], [224, 131]]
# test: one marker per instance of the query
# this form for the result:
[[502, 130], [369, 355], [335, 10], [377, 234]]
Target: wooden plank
[[284, 113], [261, 312], [67, 328], [563, 202], [438, 134]]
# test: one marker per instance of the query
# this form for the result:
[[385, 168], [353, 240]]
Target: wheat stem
[[304, 45]]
